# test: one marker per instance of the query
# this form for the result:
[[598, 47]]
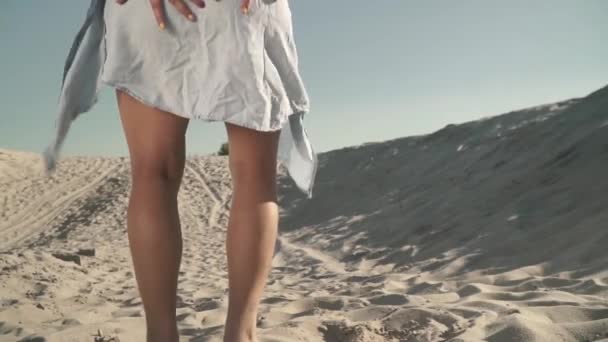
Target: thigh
[[252, 156], [156, 139]]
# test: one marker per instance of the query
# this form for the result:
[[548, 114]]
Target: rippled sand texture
[[492, 230]]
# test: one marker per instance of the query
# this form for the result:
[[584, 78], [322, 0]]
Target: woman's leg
[[156, 141], [252, 226]]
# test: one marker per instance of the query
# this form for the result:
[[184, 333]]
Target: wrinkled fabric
[[226, 66]]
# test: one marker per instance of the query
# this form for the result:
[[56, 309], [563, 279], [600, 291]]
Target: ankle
[[156, 334], [239, 335], [152, 337]]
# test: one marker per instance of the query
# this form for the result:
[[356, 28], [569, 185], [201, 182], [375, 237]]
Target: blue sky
[[374, 70]]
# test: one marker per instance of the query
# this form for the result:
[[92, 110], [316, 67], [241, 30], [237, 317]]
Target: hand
[[158, 7]]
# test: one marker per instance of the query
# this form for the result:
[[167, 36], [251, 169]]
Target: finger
[[245, 6], [159, 12], [199, 3], [183, 9], [120, 2]]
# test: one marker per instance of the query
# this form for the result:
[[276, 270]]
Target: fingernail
[[190, 17], [162, 26]]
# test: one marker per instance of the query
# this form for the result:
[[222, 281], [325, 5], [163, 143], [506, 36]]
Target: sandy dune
[[493, 230]]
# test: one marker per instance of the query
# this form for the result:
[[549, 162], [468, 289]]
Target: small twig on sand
[[99, 337]]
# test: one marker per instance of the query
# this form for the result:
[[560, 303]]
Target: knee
[[153, 169], [253, 173]]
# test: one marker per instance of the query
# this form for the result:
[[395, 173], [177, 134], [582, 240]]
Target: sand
[[491, 230]]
